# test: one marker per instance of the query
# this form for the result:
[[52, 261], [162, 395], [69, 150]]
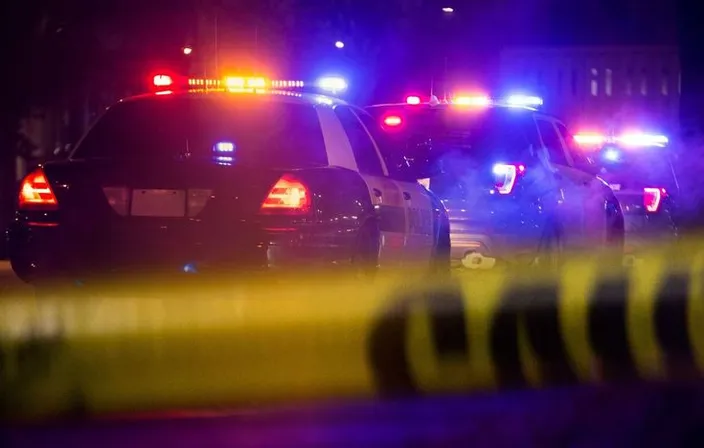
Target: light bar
[[642, 140], [247, 84], [238, 82], [629, 140], [204, 82], [472, 101], [589, 139], [283, 84], [524, 101], [332, 84]]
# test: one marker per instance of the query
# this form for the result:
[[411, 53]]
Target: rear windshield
[[492, 132], [634, 165], [259, 131]]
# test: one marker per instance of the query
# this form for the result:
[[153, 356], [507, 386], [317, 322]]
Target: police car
[[239, 173], [504, 172], [638, 167]]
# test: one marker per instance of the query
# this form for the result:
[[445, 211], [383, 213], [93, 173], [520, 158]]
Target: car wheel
[[365, 257], [615, 232], [550, 250], [440, 261]]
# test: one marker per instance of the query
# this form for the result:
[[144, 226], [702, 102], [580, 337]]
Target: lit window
[[607, 82], [595, 82]]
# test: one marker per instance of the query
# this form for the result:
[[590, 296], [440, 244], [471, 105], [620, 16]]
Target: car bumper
[[479, 247], [38, 254], [646, 231], [505, 229]]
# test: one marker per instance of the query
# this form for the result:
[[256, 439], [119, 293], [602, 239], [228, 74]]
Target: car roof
[[279, 96]]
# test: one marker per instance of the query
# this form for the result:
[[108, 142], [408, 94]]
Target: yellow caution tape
[[333, 337]]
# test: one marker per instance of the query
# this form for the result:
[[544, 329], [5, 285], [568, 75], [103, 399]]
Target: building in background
[[601, 88]]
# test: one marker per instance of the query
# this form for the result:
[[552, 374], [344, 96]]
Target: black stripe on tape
[[388, 342], [538, 305], [503, 342], [544, 333], [387, 350], [670, 318], [448, 327], [607, 329]]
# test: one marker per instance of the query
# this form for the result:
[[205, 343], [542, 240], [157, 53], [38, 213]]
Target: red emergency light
[[162, 81]]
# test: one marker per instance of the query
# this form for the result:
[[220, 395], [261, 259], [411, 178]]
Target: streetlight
[[448, 10], [187, 50], [339, 44]]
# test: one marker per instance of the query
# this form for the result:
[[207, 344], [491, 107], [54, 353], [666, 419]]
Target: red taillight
[[652, 198], [36, 193], [392, 121], [506, 175], [288, 195], [413, 100]]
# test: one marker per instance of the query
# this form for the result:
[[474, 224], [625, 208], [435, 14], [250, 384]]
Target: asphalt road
[[623, 416], [10, 285]]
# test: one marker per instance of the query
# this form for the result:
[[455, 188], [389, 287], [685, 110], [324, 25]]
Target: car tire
[[615, 232], [440, 260], [365, 255]]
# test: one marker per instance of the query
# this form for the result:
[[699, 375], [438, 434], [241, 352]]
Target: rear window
[[486, 133], [634, 165], [258, 132]]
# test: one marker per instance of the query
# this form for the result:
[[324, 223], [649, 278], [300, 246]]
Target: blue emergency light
[[524, 101], [332, 84]]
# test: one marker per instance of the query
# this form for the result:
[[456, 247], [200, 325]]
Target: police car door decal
[[384, 194], [419, 233]]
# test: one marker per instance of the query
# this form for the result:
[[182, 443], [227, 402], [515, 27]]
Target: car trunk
[[149, 211], [631, 172]]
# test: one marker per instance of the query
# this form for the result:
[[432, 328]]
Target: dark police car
[[505, 174], [638, 167], [205, 179]]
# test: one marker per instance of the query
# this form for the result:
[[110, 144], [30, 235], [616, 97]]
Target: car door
[[385, 194], [420, 239], [573, 191], [595, 190]]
